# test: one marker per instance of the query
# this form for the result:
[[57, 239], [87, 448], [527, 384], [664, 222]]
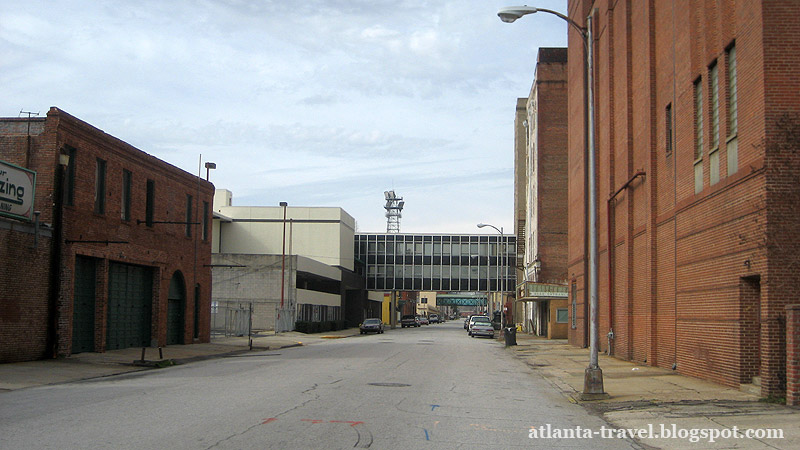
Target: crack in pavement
[[259, 423]]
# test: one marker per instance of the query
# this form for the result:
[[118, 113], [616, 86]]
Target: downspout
[[53, 335], [609, 253]]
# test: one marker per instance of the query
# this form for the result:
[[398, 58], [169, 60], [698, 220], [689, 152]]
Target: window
[[100, 187], [126, 195], [562, 315], [188, 215], [713, 75], [205, 221], [733, 119], [713, 155], [150, 203], [69, 194], [698, 136], [668, 130]]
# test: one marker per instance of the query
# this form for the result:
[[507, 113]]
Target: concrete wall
[[322, 234], [318, 298]]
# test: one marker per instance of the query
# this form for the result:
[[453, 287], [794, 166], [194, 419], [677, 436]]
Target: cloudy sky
[[316, 102]]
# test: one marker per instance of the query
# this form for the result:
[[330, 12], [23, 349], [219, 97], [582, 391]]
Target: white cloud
[[318, 102]]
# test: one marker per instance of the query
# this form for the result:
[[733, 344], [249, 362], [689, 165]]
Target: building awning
[[221, 217], [529, 291]]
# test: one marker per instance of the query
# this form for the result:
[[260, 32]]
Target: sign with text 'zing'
[[16, 191]]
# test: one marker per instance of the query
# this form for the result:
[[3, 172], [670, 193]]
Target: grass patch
[[773, 400]]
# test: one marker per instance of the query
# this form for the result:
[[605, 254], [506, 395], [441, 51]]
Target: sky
[[315, 103]]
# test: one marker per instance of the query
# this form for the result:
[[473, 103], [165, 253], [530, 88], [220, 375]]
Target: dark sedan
[[371, 326]]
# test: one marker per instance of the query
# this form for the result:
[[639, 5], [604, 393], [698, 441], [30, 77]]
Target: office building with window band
[[437, 262]]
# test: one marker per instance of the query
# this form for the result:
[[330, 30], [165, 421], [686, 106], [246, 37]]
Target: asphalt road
[[414, 388]]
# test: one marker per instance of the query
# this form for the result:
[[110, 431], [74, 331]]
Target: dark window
[[668, 129], [188, 215], [100, 187], [126, 195], [151, 202], [205, 221], [69, 194]]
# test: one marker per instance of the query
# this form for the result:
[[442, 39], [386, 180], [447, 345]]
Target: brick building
[[540, 198], [128, 262], [697, 127]]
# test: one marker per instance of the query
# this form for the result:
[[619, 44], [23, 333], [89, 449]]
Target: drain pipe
[[609, 253]]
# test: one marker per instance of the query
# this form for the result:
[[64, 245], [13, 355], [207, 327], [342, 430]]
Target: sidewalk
[[640, 396], [84, 366]]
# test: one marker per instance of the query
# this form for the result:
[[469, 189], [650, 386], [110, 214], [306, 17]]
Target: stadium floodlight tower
[[394, 211]]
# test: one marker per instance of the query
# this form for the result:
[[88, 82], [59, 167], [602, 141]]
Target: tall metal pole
[[593, 378], [504, 281], [283, 252]]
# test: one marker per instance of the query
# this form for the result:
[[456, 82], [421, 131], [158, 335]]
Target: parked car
[[371, 326], [466, 321], [424, 320], [409, 320], [433, 318], [481, 328], [474, 319]]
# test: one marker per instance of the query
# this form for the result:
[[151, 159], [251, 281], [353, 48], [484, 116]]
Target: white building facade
[[286, 263]]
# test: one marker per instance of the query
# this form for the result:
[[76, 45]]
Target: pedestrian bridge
[[438, 262]]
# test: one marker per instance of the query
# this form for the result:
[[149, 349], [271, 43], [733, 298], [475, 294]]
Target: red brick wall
[[678, 259], [25, 294], [551, 138], [793, 355], [163, 247]]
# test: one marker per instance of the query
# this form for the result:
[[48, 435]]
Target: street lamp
[[210, 166], [593, 378], [503, 262]]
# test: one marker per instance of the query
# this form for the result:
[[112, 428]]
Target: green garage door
[[83, 305], [130, 304], [175, 308]]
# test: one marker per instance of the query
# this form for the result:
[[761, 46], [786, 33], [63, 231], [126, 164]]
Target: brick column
[[793, 355]]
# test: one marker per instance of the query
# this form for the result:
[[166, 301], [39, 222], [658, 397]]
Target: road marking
[[434, 407], [266, 421], [427, 438], [351, 422]]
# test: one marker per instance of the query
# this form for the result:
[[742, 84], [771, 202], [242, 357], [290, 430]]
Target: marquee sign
[[17, 188], [542, 291]]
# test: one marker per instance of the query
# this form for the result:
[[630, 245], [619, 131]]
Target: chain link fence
[[233, 318], [247, 318]]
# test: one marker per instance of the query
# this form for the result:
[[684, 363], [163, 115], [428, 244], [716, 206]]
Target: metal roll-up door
[[130, 304]]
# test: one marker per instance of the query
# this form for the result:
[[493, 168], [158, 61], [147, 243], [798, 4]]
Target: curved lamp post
[[504, 263], [593, 378]]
